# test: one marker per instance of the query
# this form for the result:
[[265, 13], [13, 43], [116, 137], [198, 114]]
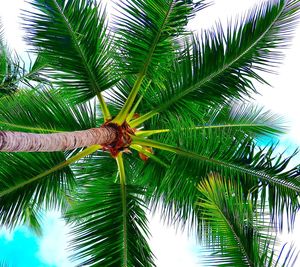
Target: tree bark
[[31, 142]]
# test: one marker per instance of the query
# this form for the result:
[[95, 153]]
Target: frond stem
[[133, 110], [122, 176], [193, 155], [148, 133], [104, 108], [121, 117], [142, 119], [149, 155]]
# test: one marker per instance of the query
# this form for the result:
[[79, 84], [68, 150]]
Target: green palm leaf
[[232, 228], [26, 111], [21, 191], [99, 237], [231, 157], [32, 76], [223, 63], [156, 23], [73, 38], [243, 119]]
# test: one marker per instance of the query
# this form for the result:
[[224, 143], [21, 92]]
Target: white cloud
[[54, 242], [172, 247], [221, 11], [10, 13], [7, 234]]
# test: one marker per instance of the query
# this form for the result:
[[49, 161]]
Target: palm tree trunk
[[31, 142]]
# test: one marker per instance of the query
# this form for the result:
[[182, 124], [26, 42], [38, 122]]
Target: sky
[[171, 247]]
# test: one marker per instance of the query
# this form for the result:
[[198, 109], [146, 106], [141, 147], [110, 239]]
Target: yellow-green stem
[[122, 176], [173, 149], [73, 159], [121, 117], [121, 168], [133, 110], [148, 133], [104, 108], [149, 155], [155, 144], [142, 119]]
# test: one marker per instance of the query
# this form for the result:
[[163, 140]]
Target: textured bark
[[30, 142]]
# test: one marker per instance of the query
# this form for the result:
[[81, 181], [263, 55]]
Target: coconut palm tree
[[133, 113]]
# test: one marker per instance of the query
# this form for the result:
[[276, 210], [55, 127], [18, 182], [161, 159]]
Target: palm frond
[[237, 118], [14, 72], [20, 191], [224, 153], [229, 156], [223, 63], [146, 31], [247, 118], [74, 40], [156, 24], [232, 228], [99, 173], [32, 76], [44, 111], [99, 228]]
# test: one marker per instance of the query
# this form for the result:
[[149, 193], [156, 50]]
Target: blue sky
[[22, 249]]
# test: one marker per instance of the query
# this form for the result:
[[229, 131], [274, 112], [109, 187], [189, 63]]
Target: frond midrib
[[121, 117], [122, 176], [216, 126], [237, 238], [79, 49], [196, 156], [59, 166], [156, 40]]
